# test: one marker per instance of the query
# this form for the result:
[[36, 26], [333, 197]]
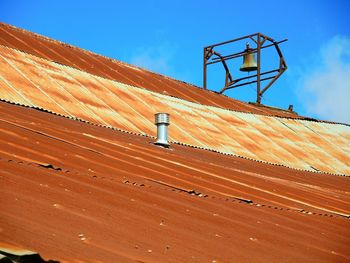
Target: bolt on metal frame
[[210, 56]]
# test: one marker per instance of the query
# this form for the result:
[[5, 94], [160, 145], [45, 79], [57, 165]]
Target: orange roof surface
[[82, 181], [296, 143], [74, 191]]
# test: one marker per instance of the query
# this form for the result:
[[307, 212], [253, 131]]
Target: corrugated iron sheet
[[80, 193], [115, 70], [300, 144]]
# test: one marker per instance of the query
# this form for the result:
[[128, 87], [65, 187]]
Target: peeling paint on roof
[[300, 144]]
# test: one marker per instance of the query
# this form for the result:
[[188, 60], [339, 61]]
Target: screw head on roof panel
[[162, 121]]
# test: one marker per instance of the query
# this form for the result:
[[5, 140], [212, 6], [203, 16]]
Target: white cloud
[[326, 88], [157, 59]]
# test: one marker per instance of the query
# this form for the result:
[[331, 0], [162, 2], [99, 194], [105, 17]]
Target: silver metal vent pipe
[[162, 122]]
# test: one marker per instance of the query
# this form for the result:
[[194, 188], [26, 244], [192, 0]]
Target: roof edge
[[170, 141], [137, 68], [295, 117], [109, 58]]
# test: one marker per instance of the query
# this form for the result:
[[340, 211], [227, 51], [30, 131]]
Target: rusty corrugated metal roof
[[78, 192], [295, 143], [66, 54], [85, 193]]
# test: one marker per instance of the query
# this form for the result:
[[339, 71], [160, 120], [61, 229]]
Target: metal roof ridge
[[125, 64], [298, 118], [171, 141], [109, 58]]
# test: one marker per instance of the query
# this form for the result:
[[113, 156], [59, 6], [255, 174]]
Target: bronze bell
[[249, 62]]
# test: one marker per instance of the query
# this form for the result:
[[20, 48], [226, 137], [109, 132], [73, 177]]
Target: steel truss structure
[[211, 56]]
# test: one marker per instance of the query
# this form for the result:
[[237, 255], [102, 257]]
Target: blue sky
[[168, 37]]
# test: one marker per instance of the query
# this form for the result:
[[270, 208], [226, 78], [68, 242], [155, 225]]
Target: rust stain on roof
[[296, 143], [102, 195]]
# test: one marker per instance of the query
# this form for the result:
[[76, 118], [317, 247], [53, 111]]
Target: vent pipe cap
[[162, 118]]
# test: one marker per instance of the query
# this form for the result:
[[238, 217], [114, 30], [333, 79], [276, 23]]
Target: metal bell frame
[[211, 56]]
